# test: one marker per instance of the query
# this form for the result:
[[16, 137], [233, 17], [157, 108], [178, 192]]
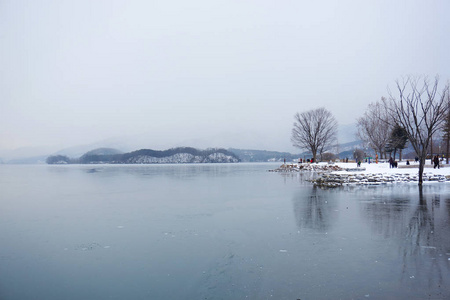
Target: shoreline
[[331, 175]]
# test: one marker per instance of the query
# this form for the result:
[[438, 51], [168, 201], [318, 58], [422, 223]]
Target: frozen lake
[[216, 231]]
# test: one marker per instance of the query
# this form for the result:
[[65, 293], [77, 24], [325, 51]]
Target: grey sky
[[230, 72]]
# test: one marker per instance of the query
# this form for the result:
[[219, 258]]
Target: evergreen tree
[[397, 140]]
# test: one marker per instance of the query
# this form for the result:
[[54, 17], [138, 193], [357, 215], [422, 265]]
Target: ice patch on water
[[283, 251], [88, 247]]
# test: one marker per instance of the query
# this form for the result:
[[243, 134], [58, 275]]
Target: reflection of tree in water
[[303, 178], [421, 225], [386, 214], [314, 211]]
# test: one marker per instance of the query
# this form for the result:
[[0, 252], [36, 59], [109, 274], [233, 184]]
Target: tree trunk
[[448, 145], [431, 149], [421, 167], [400, 154]]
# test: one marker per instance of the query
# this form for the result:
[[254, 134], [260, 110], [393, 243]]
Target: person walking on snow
[[436, 162]]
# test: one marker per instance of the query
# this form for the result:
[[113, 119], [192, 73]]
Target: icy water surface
[[216, 231]]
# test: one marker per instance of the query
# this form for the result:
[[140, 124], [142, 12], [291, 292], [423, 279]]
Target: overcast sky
[[228, 72]]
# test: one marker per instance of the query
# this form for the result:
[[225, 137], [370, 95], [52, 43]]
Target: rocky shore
[[332, 175], [340, 179], [307, 167]]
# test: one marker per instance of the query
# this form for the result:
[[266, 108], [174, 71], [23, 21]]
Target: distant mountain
[[78, 151], [347, 133], [148, 156], [25, 154], [29, 160], [263, 156], [83, 154], [246, 155], [180, 155], [242, 140], [100, 155], [104, 151]]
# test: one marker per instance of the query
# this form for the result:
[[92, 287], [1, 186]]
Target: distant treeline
[[264, 155], [181, 154]]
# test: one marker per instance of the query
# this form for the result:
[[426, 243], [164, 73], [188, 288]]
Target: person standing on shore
[[436, 162]]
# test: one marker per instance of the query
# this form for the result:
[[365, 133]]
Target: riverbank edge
[[332, 176]]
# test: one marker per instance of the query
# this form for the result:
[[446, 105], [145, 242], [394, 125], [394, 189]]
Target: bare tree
[[314, 130], [446, 129], [358, 154], [374, 127], [421, 111]]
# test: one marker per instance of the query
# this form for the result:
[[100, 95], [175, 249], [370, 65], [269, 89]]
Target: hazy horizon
[[132, 143], [228, 72]]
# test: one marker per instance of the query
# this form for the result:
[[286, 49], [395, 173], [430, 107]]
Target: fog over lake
[[161, 74], [216, 231]]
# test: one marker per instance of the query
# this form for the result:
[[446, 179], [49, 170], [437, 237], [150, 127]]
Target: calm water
[[219, 231]]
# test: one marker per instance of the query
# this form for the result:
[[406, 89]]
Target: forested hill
[[264, 156], [148, 156]]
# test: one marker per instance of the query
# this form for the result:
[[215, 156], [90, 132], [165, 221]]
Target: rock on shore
[[335, 179], [332, 175], [307, 167]]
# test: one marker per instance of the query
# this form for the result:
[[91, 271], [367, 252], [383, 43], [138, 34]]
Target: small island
[[180, 155]]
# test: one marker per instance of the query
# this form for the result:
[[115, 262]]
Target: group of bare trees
[[373, 128], [421, 109], [415, 112], [380, 132]]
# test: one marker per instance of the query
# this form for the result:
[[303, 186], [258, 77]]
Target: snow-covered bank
[[338, 174], [321, 167], [339, 179]]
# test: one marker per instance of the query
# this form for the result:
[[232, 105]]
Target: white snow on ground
[[383, 168], [368, 174]]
